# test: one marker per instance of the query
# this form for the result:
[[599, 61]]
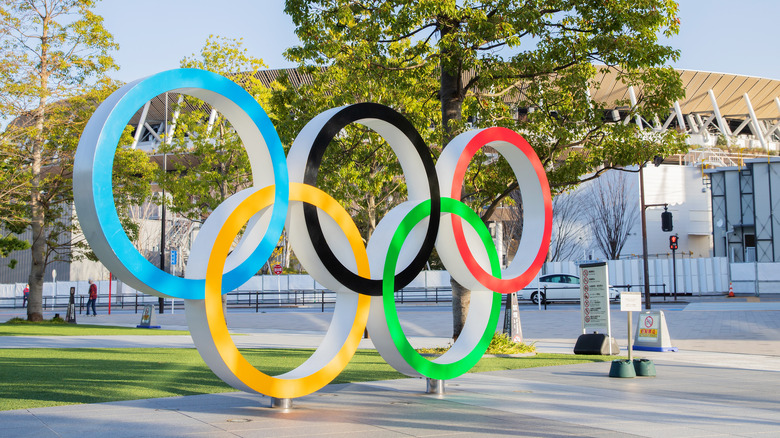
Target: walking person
[[25, 292], [92, 297]]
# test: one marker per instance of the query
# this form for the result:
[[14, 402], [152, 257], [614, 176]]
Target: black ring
[[337, 122]]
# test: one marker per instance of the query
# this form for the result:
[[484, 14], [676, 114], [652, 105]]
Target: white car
[[558, 287]]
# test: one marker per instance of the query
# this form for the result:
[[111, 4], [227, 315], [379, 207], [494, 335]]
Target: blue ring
[[123, 109]]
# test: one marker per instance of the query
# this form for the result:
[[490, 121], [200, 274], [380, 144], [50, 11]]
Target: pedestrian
[[26, 292], [92, 297]]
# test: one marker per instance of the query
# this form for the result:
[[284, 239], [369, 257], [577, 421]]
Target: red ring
[[483, 138]]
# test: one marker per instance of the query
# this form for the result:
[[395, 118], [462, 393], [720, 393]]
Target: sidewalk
[[722, 383]]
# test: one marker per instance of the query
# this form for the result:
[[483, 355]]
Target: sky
[[716, 35]]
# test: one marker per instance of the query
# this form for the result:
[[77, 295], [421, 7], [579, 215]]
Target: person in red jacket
[[25, 292], [92, 297]]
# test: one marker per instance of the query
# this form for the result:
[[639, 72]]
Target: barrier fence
[[694, 277], [257, 300]]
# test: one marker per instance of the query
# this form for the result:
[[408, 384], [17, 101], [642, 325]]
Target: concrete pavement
[[722, 382]]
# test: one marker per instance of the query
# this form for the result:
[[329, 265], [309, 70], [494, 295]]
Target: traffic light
[[673, 242], [666, 221]]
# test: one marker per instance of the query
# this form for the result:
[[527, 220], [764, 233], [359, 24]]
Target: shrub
[[500, 344]]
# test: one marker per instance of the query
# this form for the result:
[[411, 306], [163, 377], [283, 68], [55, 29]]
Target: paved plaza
[[723, 381]]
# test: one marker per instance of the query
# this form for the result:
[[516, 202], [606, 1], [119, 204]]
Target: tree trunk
[[371, 214], [451, 95], [37, 223], [37, 270], [224, 307], [461, 299], [287, 251], [38, 247], [37, 218]]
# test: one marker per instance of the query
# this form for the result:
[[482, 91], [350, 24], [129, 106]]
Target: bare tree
[[568, 226], [611, 212]]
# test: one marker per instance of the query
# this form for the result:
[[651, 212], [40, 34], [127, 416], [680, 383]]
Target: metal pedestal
[[281, 403], [435, 386]]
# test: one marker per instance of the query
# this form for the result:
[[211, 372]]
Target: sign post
[[630, 302], [70, 316], [54, 279], [278, 273], [174, 260]]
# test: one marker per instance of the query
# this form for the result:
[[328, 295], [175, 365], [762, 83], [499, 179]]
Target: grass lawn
[[49, 328], [38, 377]]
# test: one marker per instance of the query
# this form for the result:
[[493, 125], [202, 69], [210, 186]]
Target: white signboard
[[652, 334], [648, 327], [630, 301], [594, 296]]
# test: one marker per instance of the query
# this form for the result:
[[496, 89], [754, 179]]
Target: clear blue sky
[[716, 35]]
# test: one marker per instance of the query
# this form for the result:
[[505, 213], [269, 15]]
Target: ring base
[[281, 403], [435, 386]]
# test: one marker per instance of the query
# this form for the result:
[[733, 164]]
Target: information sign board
[[594, 296]]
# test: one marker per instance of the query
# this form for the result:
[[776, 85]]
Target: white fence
[[261, 283], [58, 289], [701, 276], [743, 276]]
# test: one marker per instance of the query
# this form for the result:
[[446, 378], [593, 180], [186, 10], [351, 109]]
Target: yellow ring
[[258, 381]]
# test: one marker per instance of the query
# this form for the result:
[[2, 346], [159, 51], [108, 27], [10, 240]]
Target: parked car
[[558, 287]]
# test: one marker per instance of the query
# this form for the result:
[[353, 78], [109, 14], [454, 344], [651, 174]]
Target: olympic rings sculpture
[[322, 234]]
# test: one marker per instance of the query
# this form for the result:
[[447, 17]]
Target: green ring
[[422, 365]]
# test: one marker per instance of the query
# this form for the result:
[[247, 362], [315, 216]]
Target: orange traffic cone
[[731, 291]]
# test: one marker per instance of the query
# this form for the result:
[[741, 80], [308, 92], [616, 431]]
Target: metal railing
[[286, 298]]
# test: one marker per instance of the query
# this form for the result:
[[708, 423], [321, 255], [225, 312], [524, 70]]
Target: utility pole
[[161, 300], [644, 233]]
